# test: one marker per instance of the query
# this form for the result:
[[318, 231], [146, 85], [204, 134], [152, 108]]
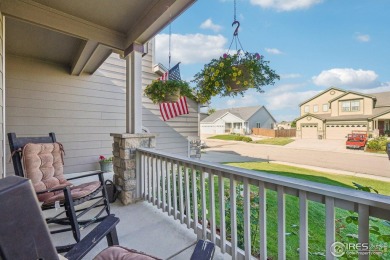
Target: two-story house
[[334, 113]]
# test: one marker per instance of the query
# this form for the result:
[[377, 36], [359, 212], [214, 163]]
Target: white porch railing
[[191, 190]]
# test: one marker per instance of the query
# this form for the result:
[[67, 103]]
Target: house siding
[[1, 92], [262, 117], [83, 110]]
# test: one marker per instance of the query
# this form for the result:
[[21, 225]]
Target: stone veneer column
[[125, 163]]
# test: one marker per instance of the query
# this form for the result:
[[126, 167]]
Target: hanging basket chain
[[235, 39], [235, 11], [169, 45]]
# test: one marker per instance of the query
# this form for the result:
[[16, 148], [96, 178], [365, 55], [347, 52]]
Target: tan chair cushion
[[44, 165], [77, 192], [122, 253]]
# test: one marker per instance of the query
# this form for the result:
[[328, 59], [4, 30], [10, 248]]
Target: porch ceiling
[[25, 39], [82, 34]]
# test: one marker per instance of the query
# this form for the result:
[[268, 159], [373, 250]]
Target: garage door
[[340, 131], [309, 131]]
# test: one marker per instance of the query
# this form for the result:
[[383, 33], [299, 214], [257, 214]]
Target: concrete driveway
[[305, 153], [337, 145]]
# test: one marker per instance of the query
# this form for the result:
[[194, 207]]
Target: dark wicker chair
[[41, 160]]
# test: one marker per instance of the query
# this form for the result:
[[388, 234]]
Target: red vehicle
[[357, 140]]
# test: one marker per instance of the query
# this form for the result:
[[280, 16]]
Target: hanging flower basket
[[160, 91], [174, 97], [231, 75], [238, 85]]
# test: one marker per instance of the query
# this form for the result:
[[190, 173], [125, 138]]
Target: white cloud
[[189, 48], [281, 100], [363, 37], [285, 5], [346, 77], [245, 101], [384, 87], [287, 96], [273, 51], [208, 24], [290, 76]]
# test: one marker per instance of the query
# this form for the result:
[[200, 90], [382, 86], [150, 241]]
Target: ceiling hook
[[238, 26]]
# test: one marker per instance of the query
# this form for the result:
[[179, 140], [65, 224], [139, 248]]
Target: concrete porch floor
[[146, 228]]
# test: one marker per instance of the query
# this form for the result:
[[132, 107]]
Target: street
[[356, 162]]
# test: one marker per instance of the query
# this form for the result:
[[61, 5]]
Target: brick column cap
[[127, 135]]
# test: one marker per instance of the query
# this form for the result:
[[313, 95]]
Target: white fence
[[193, 191]]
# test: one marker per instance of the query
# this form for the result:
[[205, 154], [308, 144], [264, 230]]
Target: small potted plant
[[232, 74], [105, 163], [160, 91]]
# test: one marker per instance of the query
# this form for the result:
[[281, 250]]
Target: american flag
[[170, 110]]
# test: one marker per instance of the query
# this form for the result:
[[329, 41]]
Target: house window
[[348, 106], [315, 108], [325, 107], [355, 105], [307, 109], [258, 125]]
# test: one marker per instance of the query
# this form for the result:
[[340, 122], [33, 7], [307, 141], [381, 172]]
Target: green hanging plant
[[160, 91], [231, 75]]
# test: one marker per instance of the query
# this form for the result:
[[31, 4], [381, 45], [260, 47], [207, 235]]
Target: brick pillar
[[125, 163]]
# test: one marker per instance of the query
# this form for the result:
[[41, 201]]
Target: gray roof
[[243, 113], [382, 99]]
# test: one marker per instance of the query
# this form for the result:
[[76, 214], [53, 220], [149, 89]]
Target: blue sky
[[311, 44]]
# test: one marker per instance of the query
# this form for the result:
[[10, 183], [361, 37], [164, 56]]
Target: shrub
[[247, 139], [238, 138], [377, 144]]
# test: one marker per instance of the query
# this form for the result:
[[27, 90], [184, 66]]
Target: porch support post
[[134, 88], [125, 163], [126, 171]]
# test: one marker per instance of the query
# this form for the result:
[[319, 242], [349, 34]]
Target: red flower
[[225, 55], [101, 157]]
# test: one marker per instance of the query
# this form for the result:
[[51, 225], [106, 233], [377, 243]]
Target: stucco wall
[[321, 100], [366, 105]]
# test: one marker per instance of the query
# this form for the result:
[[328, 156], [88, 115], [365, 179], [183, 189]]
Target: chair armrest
[[86, 175], [106, 228]]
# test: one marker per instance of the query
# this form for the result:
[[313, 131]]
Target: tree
[[211, 110], [294, 124]]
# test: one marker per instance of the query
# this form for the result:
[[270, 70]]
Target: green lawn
[[316, 218], [223, 137], [275, 141], [316, 176]]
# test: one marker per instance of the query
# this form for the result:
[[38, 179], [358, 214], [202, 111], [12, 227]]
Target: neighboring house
[[283, 125], [237, 120], [58, 80], [334, 113]]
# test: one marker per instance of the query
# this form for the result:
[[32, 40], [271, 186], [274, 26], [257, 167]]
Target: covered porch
[[52, 78], [381, 125], [183, 200]]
